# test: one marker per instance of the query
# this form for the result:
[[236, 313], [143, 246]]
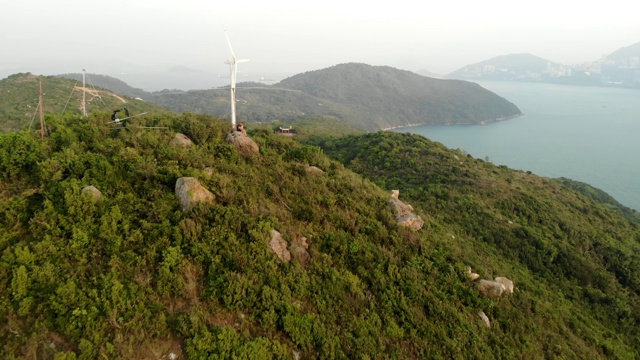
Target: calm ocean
[[590, 134]]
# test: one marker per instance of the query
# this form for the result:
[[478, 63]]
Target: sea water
[[589, 134]]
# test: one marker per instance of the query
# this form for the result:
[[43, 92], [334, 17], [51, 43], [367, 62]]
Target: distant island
[[620, 68]]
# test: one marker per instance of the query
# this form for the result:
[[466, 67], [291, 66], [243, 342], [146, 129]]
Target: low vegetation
[[132, 276]]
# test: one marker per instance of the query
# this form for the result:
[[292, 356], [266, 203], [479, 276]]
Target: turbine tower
[[233, 64]]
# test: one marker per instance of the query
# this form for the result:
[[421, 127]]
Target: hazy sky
[[289, 37]]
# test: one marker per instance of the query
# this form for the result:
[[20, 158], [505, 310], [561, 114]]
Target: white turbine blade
[[242, 61], [230, 47]]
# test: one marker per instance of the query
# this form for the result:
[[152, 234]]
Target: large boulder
[[508, 284], [404, 213], [491, 289], [279, 246], [411, 221], [245, 146], [190, 192], [181, 140], [92, 192]]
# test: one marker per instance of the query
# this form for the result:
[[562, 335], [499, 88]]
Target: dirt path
[[95, 93]]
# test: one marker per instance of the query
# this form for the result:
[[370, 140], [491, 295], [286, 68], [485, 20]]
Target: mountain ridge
[[620, 68], [365, 100]]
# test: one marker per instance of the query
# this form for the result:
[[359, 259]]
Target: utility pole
[[41, 115]]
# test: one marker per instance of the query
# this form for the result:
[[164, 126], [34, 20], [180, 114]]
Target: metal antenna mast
[[41, 115], [84, 106]]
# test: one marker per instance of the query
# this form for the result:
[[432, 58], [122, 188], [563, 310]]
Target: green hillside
[[601, 197], [382, 97], [20, 98], [367, 97], [132, 276], [574, 259]]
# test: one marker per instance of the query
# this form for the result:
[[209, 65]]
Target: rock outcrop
[[314, 170], [508, 284], [181, 140], [404, 213], [296, 251], [245, 146], [92, 192], [491, 289], [485, 318], [190, 192], [279, 246]]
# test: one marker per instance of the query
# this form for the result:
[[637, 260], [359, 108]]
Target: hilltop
[[19, 102], [367, 97], [132, 275], [391, 98]]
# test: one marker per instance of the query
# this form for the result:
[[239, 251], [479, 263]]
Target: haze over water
[[588, 134]]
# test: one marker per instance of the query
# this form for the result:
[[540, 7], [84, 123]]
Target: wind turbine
[[233, 64]]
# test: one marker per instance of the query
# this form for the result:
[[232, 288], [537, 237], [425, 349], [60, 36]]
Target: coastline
[[482, 123]]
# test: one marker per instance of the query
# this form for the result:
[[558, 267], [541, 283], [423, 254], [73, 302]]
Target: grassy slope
[[571, 257], [131, 276]]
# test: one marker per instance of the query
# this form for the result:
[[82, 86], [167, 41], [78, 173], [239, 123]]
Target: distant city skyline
[[281, 37]]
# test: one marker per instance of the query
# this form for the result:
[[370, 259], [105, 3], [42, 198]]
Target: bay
[[589, 134]]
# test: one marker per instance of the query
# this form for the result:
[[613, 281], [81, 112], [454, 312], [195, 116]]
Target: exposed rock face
[[279, 246], [180, 140], [404, 212], [92, 192], [508, 284], [243, 143], [189, 192], [491, 289], [484, 318]]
